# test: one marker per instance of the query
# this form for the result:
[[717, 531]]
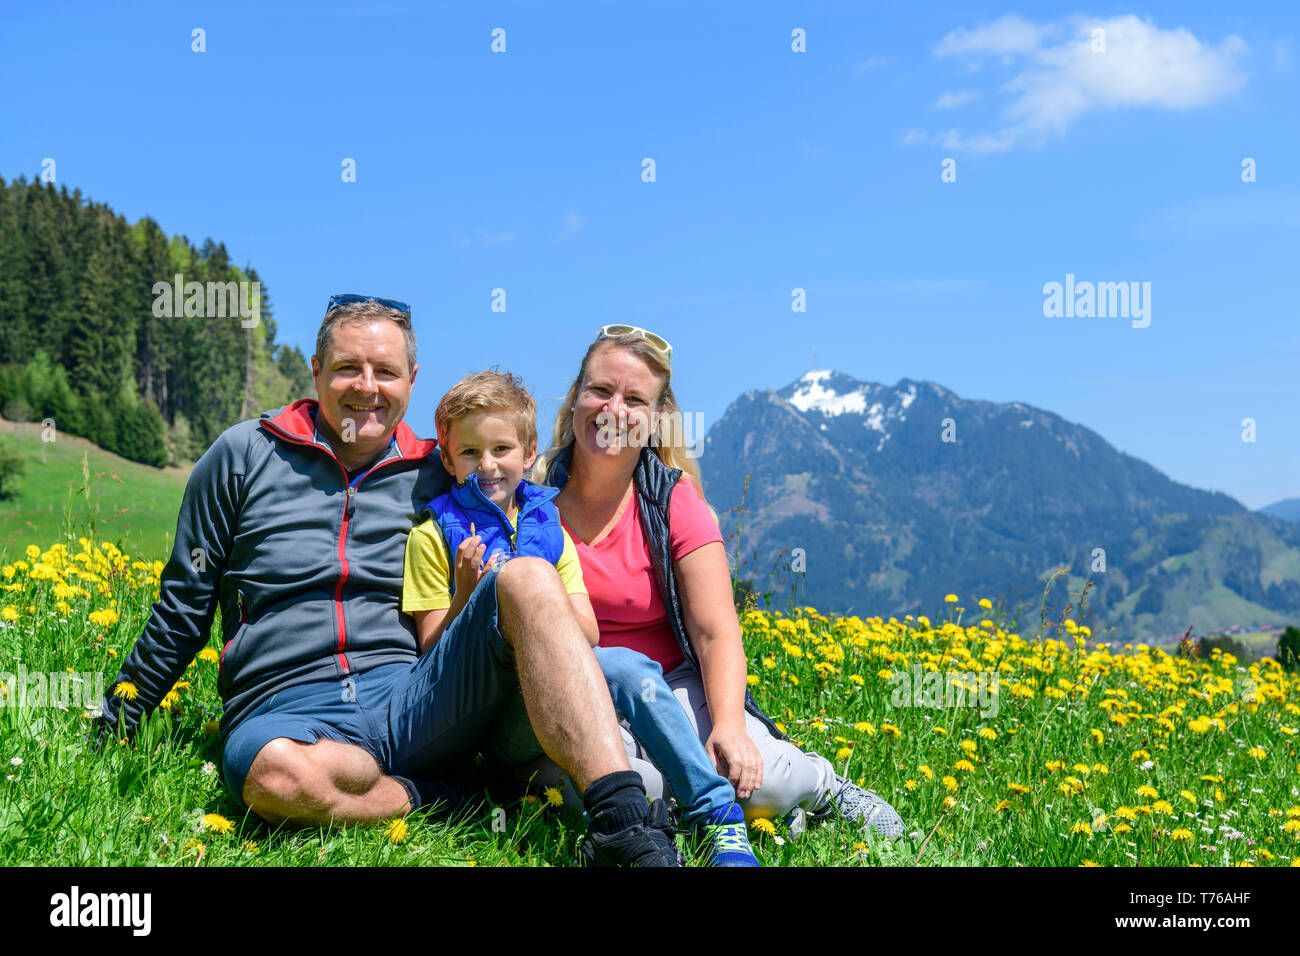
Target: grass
[[1107, 754], [134, 505]]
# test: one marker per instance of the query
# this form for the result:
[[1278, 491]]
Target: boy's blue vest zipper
[[537, 527]]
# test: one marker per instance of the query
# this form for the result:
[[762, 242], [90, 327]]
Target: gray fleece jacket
[[305, 564]]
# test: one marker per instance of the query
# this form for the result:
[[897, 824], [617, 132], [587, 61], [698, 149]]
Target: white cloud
[[573, 223], [1141, 66], [1007, 35], [1251, 207], [871, 62], [948, 100]]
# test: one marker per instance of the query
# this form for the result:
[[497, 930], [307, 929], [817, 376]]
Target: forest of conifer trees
[[81, 343]]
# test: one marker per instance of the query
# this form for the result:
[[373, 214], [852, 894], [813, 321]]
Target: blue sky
[[774, 170]]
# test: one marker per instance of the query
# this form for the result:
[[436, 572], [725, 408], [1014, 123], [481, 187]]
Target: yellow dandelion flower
[[1162, 806], [950, 599], [553, 796], [1127, 813], [865, 727], [1017, 788], [1291, 826], [1121, 828], [964, 766], [763, 825], [950, 802], [988, 733], [1187, 795], [939, 731], [857, 679], [210, 655], [217, 823], [1081, 827], [1088, 863], [1054, 765], [910, 784], [769, 663], [1146, 790], [1181, 835], [1258, 753], [986, 604], [8, 613], [929, 774], [396, 830], [126, 689], [751, 680], [949, 783], [1002, 805], [1097, 735], [890, 730], [969, 746], [105, 617]]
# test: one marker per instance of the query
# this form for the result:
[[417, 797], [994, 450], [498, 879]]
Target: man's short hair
[[501, 392], [360, 311]]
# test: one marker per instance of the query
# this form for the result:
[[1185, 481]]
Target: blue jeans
[[665, 732]]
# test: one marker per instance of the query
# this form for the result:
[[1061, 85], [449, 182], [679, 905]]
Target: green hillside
[[135, 505]]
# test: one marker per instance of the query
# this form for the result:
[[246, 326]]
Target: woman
[[656, 571]]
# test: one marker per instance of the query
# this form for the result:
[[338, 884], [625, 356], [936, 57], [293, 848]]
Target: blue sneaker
[[724, 840]]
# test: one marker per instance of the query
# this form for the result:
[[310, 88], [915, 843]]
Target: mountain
[[899, 495], [1288, 509]]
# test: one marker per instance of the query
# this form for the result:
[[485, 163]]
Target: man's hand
[[469, 564], [736, 757]]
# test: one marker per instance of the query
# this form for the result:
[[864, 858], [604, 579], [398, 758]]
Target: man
[[295, 526]]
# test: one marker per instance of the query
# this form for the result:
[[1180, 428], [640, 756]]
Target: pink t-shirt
[[620, 575]]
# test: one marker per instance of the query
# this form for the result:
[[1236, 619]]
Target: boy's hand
[[469, 564]]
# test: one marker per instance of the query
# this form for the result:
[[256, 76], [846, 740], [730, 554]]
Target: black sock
[[615, 802], [423, 794]]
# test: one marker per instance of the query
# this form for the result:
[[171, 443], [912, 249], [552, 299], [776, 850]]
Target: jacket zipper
[[505, 519], [243, 616], [339, 652]]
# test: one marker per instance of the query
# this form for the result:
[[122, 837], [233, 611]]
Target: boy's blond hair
[[490, 390]]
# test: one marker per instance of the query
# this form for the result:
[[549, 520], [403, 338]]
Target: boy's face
[[486, 443]]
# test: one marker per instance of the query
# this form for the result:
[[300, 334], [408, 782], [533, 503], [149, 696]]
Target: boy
[[487, 437]]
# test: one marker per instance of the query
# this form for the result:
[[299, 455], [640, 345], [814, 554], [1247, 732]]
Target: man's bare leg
[[564, 690], [321, 783]]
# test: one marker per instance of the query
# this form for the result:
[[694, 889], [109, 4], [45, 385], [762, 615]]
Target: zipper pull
[[348, 506]]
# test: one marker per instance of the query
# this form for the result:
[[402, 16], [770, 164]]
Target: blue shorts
[[420, 720]]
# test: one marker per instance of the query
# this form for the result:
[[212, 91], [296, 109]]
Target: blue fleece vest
[[537, 531]]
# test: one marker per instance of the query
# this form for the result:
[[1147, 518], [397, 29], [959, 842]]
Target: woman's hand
[[469, 565], [736, 757]]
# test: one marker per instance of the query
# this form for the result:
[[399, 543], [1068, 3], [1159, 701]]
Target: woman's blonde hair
[[668, 440]]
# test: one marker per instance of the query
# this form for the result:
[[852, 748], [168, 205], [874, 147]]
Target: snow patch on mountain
[[810, 394]]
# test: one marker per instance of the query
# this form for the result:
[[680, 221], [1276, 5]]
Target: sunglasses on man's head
[[349, 298], [658, 341]]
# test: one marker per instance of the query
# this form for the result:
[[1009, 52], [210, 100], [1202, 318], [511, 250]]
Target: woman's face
[[614, 414]]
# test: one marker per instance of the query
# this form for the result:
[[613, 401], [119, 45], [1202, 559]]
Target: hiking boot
[[863, 807], [652, 843], [724, 840]]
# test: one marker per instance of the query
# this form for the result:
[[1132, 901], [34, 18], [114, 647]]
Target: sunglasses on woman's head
[[658, 341], [349, 298]]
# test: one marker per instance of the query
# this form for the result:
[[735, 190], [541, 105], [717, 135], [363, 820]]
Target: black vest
[[654, 487]]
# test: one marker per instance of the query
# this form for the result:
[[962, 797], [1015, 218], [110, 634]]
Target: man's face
[[487, 443], [363, 386]]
